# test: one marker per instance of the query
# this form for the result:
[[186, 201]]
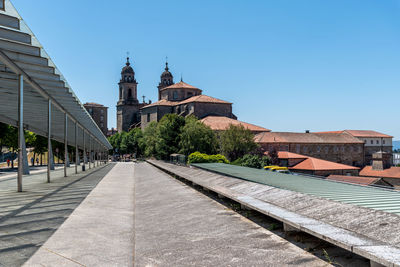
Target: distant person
[[32, 161], [8, 162], [37, 161]]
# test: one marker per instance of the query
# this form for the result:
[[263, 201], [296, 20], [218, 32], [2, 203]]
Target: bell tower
[[166, 80], [128, 105]]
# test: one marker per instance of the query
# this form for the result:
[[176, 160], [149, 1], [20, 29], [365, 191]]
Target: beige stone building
[[183, 99], [336, 147], [128, 106], [99, 115]]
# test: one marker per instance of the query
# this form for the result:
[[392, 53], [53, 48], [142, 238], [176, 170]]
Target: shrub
[[198, 157], [253, 161]]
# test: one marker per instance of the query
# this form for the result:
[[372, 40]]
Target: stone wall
[[349, 154], [202, 110]]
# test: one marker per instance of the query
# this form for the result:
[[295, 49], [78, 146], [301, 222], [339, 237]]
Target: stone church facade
[[183, 99], [128, 106]]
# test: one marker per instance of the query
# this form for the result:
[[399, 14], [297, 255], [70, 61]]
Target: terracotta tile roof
[[366, 133], [219, 123], [316, 138], [393, 172], [353, 179], [180, 85], [162, 102], [290, 155], [203, 99], [359, 133], [92, 104], [314, 164]]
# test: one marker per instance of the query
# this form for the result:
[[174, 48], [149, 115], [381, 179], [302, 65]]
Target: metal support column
[[49, 148], [21, 136], [65, 144], [84, 152], [90, 152], [76, 149]]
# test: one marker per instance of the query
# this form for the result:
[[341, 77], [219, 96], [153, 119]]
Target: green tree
[[196, 136], [237, 141], [39, 145], [148, 143], [168, 135]]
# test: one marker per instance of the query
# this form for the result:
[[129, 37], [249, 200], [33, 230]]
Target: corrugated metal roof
[[364, 196]]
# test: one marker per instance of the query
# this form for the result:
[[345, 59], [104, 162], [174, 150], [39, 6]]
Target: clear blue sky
[[286, 65]]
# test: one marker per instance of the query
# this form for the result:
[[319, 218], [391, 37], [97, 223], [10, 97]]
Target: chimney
[[380, 161]]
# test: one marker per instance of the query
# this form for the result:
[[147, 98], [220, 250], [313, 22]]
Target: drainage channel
[[326, 251]]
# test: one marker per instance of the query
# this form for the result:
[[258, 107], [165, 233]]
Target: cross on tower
[[144, 97]]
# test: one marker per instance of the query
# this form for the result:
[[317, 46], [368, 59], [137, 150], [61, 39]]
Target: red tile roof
[[203, 99], [290, 155], [314, 164], [393, 172], [353, 179], [316, 138], [92, 104], [162, 102], [367, 133], [219, 123], [360, 133], [180, 85]]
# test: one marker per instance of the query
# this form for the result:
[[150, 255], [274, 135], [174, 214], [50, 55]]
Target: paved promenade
[[29, 218], [177, 226], [139, 216]]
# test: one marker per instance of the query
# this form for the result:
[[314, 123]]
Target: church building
[[128, 106], [183, 99]]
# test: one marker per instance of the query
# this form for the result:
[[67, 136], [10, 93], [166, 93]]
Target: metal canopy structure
[[26, 68]]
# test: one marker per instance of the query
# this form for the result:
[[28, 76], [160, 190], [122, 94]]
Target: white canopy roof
[[22, 54]]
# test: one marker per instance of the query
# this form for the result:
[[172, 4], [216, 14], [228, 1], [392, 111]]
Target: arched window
[[129, 79], [130, 93], [120, 92], [175, 95]]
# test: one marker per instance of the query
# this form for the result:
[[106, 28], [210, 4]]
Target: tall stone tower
[[166, 80], [128, 105]]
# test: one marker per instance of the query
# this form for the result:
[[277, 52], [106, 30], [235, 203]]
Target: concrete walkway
[[139, 216], [100, 231], [29, 218], [177, 226]]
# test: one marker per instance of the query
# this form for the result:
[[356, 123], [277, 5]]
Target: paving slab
[[177, 226], [100, 231]]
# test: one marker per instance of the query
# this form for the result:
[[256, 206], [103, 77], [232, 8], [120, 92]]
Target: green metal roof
[[364, 196]]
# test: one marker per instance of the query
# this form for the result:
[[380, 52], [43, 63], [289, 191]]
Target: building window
[[175, 95], [377, 142], [326, 149], [102, 111], [101, 118], [383, 142], [101, 125], [189, 94], [372, 142], [148, 117], [2, 4], [130, 93]]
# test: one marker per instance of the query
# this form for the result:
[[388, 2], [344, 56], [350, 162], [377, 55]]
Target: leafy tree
[[39, 146], [123, 147], [237, 141], [148, 143], [168, 134], [196, 136], [274, 156], [198, 157]]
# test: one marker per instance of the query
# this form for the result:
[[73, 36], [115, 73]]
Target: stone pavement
[[177, 226], [139, 216], [100, 231], [29, 218]]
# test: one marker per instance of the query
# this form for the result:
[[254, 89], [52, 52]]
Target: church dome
[[127, 68], [166, 73]]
